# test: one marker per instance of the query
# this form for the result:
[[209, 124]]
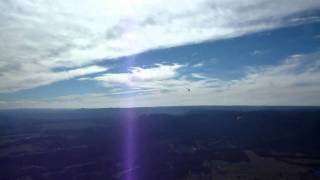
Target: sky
[[141, 53]]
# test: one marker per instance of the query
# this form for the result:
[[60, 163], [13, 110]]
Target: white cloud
[[306, 19], [47, 35], [198, 65], [293, 82], [257, 53], [141, 77], [198, 76], [29, 77]]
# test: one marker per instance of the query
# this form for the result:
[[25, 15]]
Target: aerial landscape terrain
[[256, 143], [160, 90]]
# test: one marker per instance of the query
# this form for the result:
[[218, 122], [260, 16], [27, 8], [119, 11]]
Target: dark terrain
[[253, 143]]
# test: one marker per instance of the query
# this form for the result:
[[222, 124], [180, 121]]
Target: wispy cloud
[[198, 65], [58, 34], [141, 78], [257, 53], [198, 76], [308, 19], [29, 76], [295, 81]]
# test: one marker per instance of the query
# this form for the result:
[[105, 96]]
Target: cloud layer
[[43, 36], [295, 81], [153, 78], [21, 78]]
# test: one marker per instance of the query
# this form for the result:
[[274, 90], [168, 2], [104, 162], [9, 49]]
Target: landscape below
[[203, 143]]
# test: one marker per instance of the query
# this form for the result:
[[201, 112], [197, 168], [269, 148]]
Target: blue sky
[[54, 56]]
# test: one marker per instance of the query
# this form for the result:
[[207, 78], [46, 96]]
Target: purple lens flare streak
[[130, 150], [130, 145], [131, 141]]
